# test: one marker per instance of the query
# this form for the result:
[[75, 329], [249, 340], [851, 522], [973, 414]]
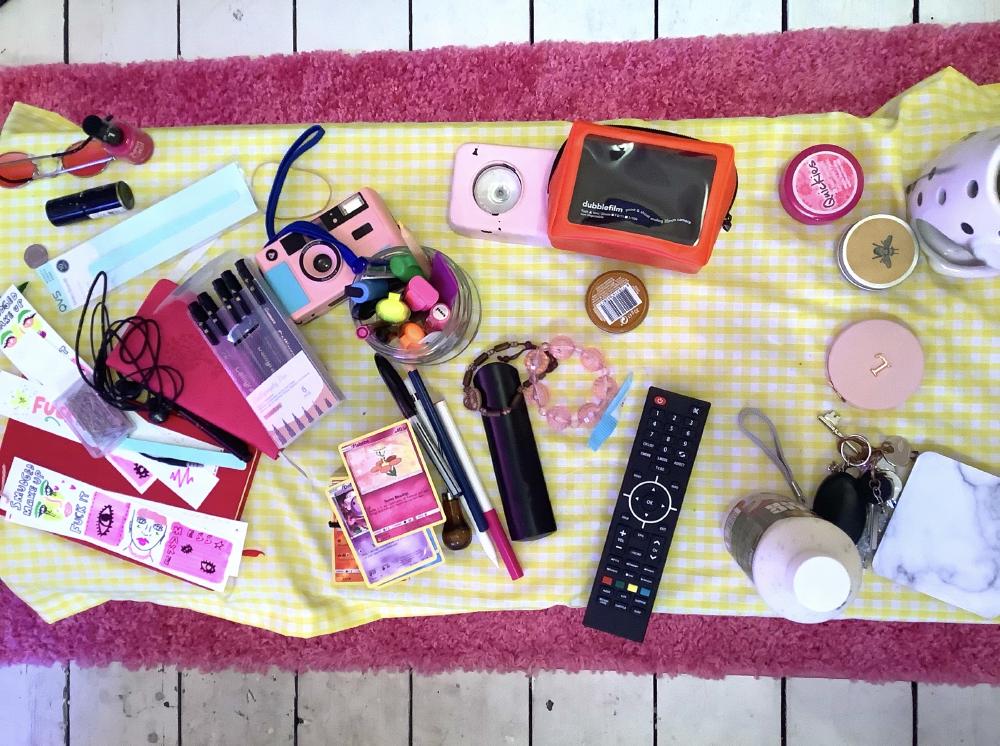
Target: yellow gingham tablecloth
[[750, 329]]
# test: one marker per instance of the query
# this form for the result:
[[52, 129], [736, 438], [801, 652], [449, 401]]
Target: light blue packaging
[[188, 218]]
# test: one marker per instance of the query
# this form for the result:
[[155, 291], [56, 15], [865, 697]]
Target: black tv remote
[[646, 513]]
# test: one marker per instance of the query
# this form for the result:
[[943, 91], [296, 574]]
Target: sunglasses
[[85, 158]]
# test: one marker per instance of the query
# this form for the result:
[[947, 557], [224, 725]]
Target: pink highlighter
[[420, 295]]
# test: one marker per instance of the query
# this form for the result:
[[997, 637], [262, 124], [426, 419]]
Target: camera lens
[[319, 262], [322, 263], [497, 189]]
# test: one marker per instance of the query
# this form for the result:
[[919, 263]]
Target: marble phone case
[[944, 536]]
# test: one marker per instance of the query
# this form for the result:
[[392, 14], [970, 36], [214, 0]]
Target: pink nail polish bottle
[[120, 139]]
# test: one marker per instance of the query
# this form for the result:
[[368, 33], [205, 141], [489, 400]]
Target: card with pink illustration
[[107, 519], [390, 478], [197, 554]]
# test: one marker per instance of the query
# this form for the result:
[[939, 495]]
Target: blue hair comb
[[608, 422]]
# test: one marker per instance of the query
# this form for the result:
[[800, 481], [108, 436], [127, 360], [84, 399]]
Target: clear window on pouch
[[642, 189]]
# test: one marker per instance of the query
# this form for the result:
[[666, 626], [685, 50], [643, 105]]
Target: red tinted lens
[[90, 153], [15, 170]]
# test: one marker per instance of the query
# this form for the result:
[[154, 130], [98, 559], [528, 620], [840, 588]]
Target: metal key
[[831, 419], [899, 452]]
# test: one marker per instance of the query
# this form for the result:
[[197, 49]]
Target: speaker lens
[[497, 189]]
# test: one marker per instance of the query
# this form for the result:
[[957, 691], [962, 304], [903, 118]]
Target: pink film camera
[[308, 276], [500, 192]]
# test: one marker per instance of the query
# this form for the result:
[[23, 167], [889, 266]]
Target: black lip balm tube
[[518, 468], [108, 199]]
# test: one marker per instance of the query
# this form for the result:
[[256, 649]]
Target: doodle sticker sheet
[[202, 549]]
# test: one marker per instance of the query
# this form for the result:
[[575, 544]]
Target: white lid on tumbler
[[819, 582]]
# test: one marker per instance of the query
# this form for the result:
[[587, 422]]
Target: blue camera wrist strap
[[305, 141]]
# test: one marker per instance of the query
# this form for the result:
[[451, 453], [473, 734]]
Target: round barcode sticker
[[617, 301]]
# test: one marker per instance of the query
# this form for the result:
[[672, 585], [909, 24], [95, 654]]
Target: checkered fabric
[[750, 329]]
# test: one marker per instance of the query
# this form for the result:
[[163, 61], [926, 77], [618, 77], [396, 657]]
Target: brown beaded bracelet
[[471, 397]]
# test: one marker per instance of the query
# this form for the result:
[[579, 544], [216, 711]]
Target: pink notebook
[[208, 390]]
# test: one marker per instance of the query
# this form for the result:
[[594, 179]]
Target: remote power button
[[659, 400]]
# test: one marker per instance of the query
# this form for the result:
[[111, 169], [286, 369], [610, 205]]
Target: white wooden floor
[[109, 706]]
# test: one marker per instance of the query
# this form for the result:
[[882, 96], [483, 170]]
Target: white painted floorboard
[[959, 11], [850, 13], [353, 708], [709, 18], [119, 30], [471, 708], [230, 708], [594, 20], [31, 705], [354, 25], [734, 711], [591, 709], [227, 28], [958, 716], [31, 32], [438, 23], [116, 706], [834, 712]]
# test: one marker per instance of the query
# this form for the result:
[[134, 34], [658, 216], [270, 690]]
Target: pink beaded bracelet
[[559, 416]]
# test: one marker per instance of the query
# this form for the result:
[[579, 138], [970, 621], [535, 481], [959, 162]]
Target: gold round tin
[[877, 252]]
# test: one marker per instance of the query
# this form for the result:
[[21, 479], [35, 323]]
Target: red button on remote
[[659, 400], [606, 580]]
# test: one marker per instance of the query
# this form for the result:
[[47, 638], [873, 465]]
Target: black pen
[[396, 387], [401, 395], [170, 461], [212, 308], [223, 291], [236, 290], [200, 316], [251, 282]]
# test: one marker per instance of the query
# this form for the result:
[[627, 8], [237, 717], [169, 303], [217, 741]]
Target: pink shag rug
[[808, 71]]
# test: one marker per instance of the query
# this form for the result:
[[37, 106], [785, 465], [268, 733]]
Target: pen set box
[[270, 363]]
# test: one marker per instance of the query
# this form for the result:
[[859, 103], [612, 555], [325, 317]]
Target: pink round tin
[[875, 364], [821, 184]]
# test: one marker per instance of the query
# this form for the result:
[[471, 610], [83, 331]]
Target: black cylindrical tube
[[515, 456], [90, 203]]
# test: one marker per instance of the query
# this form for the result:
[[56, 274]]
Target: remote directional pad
[[650, 502]]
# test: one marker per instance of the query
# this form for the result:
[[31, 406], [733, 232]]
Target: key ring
[[855, 440]]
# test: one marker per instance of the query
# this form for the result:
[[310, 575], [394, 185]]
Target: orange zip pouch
[[641, 195]]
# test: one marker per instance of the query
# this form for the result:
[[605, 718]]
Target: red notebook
[[208, 390]]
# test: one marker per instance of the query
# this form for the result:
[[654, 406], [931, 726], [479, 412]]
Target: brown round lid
[[617, 301]]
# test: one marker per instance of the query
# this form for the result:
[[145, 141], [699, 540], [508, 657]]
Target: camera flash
[[497, 189], [351, 205]]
